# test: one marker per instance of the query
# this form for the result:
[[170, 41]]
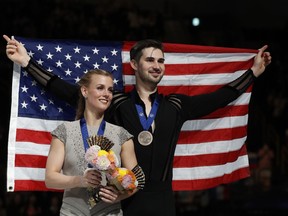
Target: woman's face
[[99, 93]]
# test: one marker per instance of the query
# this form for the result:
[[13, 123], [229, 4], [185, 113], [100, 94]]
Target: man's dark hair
[[136, 50]]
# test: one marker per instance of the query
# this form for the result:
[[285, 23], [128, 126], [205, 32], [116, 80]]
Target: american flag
[[210, 151]]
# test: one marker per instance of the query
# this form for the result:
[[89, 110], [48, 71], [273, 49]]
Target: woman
[[66, 165]]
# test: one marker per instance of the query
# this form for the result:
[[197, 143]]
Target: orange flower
[[123, 179]]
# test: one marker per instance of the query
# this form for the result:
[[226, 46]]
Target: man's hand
[[261, 61]]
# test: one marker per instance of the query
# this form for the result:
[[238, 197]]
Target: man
[[145, 113]]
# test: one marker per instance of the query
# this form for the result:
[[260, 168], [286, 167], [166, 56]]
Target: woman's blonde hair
[[85, 81]]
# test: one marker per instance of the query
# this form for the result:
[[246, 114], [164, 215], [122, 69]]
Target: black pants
[[156, 199]]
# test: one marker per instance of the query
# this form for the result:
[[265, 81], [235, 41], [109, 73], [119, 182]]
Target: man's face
[[150, 68]]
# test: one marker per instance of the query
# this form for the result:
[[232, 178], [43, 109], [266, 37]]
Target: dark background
[[243, 24]]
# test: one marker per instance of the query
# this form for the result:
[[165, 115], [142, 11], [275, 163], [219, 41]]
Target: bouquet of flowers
[[102, 160], [123, 179], [99, 156]]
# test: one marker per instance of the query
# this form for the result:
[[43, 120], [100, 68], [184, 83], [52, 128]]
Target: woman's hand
[[91, 178], [109, 194], [16, 52]]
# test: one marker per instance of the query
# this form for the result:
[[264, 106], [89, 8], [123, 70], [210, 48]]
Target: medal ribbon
[[84, 131], [147, 122], [85, 135]]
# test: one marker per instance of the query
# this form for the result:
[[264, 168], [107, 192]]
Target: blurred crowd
[[266, 191]]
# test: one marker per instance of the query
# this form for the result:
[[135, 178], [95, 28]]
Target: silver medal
[[145, 138]]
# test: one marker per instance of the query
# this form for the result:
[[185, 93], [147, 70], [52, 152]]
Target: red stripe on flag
[[208, 159], [127, 45], [33, 161], [203, 184], [32, 185], [195, 137], [237, 110], [187, 48], [188, 90], [194, 69], [206, 68], [25, 135], [180, 48]]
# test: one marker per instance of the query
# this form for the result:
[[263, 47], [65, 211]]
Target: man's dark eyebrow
[[150, 58]]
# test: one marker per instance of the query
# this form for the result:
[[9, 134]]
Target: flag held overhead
[[210, 151]]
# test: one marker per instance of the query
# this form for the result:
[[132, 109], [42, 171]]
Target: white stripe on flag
[[30, 148], [190, 58], [207, 124], [190, 80], [209, 171], [215, 147], [24, 173]]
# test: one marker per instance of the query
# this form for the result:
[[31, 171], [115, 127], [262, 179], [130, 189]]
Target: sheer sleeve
[[58, 87], [242, 82], [38, 73]]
